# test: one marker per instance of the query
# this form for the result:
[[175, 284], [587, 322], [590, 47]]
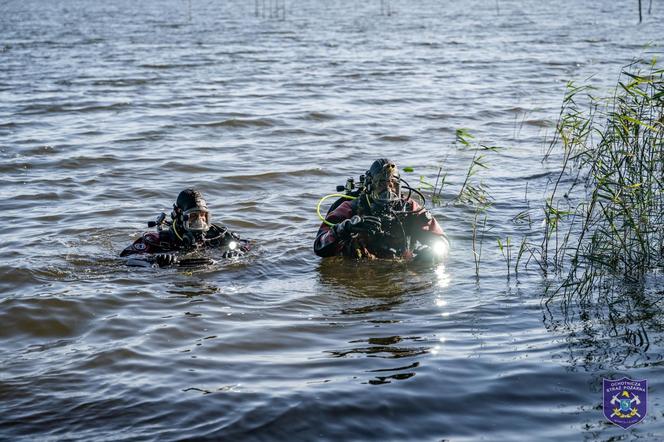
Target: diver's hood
[[192, 212], [385, 185]]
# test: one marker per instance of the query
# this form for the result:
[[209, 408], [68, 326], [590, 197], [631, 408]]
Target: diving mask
[[386, 185], [196, 220]]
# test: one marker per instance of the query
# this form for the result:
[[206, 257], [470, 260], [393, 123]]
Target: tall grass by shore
[[604, 219]]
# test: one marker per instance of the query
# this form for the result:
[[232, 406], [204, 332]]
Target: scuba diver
[[188, 230], [377, 221]]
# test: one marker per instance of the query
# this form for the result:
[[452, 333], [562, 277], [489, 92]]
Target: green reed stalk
[[506, 251], [613, 198], [477, 242]]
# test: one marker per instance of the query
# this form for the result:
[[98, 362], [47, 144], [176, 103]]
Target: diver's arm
[[146, 252], [328, 241], [424, 224], [428, 232], [431, 229], [144, 245], [230, 242]]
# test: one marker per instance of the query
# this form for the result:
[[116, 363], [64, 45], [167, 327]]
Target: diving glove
[[357, 224], [165, 259]]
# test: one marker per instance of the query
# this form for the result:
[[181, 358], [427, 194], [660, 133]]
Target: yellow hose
[[338, 195]]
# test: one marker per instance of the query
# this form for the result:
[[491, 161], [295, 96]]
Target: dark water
[[109, 109]]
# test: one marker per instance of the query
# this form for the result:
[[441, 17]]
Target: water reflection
[[375, 293], [444, 278], [192, 288], [388, 347], [614, 335], [615, 331], [382, 278], [379, 286]]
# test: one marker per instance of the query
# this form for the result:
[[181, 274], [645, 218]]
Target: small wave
[[489, 114], [437, 116], [392, 101], [353, 76], [239, 122], [47, 346], [562, 63], [395, 138], [80, 162], [149, 135], [41, 196], [428, 44], [48, 108], [170, 66], [187, 168], [539, 123], [516, 110], [595, 40], [297, 133], [43, 317], [93, 40], [119, 82], [285, 175], [12, 278], [157, 65], [318, 116]]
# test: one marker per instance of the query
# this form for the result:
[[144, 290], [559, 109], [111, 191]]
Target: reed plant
[[472, 192], [604, 219]]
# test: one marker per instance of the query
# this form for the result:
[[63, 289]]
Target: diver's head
[[190, 213], [383, 184]]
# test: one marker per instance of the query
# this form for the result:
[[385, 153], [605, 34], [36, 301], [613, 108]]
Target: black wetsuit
[[175, 240]]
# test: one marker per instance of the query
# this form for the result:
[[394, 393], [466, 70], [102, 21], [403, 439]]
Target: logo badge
[[625, 401]]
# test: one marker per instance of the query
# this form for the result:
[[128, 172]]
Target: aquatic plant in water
[[604, 219], [472, 192]]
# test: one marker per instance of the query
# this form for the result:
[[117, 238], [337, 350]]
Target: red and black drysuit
[[402, 235]]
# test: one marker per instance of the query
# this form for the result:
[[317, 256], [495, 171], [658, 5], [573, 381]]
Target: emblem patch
[[625, 401]]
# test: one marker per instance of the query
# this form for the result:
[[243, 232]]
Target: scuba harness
[[351, 192], [392, 237]]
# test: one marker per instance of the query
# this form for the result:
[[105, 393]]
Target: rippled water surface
[[109, 109]]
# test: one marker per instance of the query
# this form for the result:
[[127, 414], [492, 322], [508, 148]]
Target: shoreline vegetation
[[602, 223], [604, 219], [597, 238]]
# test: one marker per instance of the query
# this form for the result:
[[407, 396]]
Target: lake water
[[109, 109]]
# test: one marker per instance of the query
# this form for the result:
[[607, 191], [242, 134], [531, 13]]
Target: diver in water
[[380, 222], [190, 229]]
